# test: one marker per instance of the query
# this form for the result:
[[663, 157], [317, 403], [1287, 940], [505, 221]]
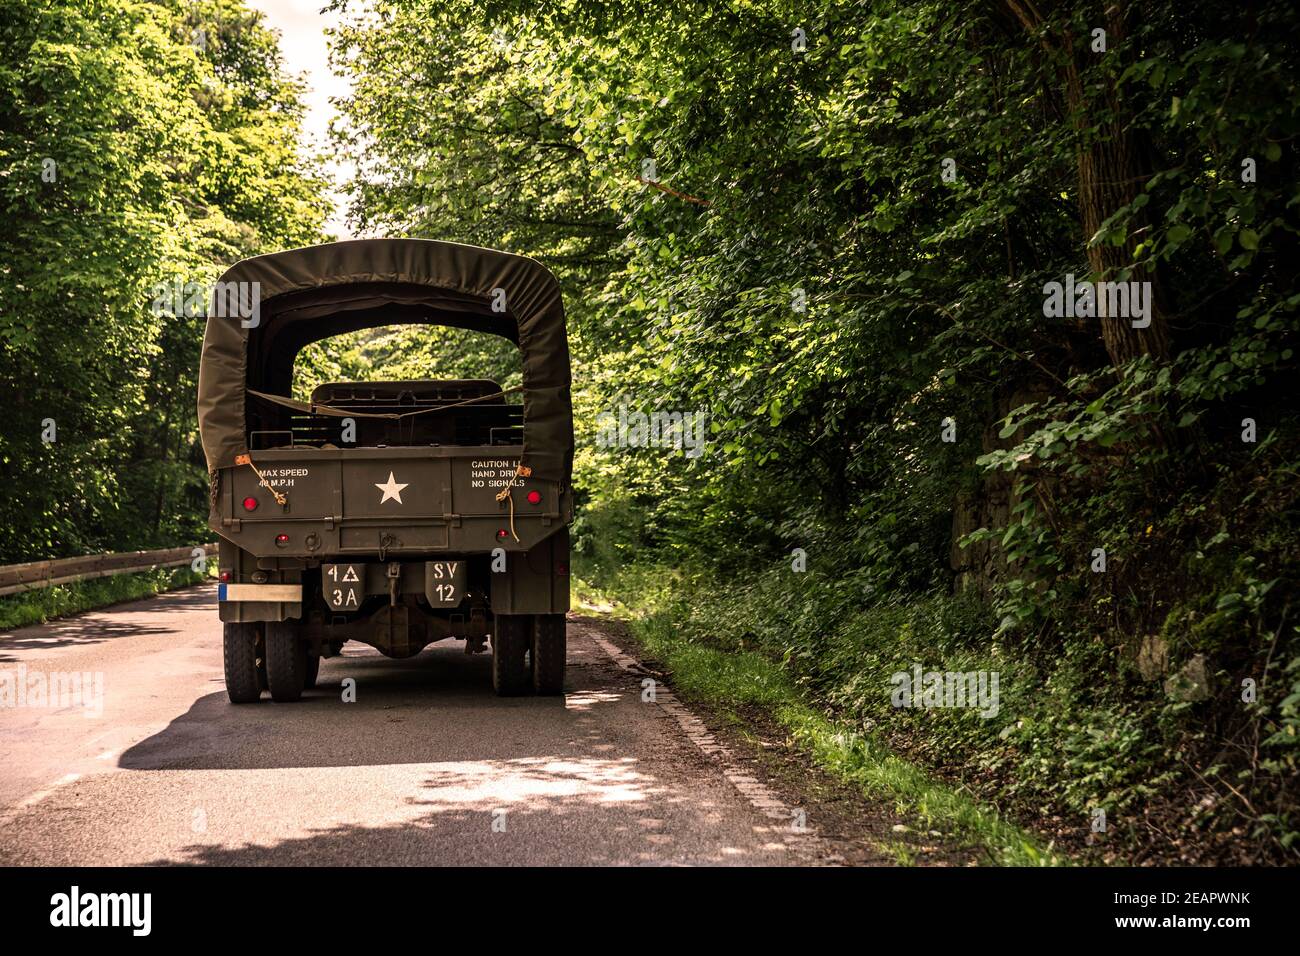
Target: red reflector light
[[502, 532], [225, 577], [281, 539], [534, 497], [250, 504]]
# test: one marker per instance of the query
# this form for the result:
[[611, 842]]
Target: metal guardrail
[[17, 578]]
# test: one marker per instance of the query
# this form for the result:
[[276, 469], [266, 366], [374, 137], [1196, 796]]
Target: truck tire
[[313, 669], [548, 652], [261, 656], [511, 635], [239, 650], [286, 661]]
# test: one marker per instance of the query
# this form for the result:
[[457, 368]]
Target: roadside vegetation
[[63, 600], [851, 238], [737, 677], [144, 147]]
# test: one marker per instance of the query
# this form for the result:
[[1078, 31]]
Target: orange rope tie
[[280, 498], [521, 471]]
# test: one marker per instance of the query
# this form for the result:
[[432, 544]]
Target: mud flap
[[537, 581]]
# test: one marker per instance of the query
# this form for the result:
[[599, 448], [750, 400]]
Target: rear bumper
[[534, 582], [291, 593]]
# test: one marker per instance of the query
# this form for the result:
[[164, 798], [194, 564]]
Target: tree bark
[[1110, 174]]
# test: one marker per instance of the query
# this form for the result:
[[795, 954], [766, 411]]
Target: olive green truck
[[394, 513]]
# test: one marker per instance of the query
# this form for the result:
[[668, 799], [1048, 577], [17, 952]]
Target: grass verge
[[734, 680], [61, 600]]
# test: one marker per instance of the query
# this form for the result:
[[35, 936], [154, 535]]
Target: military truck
[[394, 513]]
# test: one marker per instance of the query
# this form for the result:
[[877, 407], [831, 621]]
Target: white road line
[[32, 799]]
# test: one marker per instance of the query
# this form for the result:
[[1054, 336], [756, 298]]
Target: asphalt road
[[427, 767]]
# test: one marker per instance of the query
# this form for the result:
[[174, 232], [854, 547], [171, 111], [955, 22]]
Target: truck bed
[[387, 501]]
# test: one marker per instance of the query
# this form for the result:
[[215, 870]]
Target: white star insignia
[[391, 489]]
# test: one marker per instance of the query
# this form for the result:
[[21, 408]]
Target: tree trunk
[[1110, 175]]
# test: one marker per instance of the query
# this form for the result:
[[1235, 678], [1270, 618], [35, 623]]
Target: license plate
[[344, 586], [444, 582]]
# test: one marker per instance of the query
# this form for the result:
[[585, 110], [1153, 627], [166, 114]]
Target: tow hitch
[[394, 581]]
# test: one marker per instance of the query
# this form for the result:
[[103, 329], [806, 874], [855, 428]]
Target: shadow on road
[[509, 781], [522, 811], [428, 766], [563, 827], [106, 624], [434, 707]]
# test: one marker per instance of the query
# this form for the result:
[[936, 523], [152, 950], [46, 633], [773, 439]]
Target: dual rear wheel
[[270, 656], [528, 654]]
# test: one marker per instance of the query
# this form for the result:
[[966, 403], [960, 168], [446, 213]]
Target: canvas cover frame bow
[[265, 310]]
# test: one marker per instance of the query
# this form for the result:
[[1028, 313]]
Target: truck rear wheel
[[286, 661], [510, 640], [239, 650], [548, 653], [313, 670]]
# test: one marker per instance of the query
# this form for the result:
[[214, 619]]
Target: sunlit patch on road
[[427, 767]]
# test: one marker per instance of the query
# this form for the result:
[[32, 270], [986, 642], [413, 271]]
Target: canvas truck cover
[[264, 310]]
